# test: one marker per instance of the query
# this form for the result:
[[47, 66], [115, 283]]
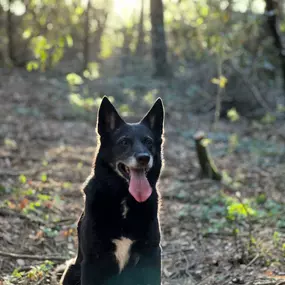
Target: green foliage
[[280, 108], [149, 97], [224, 212], [92, 72], [124, 109], [36, 273], [206, 141], [233, 142], [40, 47], [233, 115], [221, 81], [43, 197], [49, 232], [44, 177], [46, 52], [131, 93], [239, 209], [32, 65], [27, 33], [22, 179], [17, 274], [276, 238], [69, 40], [84, 103], [261, 198], [74, 79], [106, 47], [66, 185], [3, 189], [79, 165], [268, 119], [9, 143]]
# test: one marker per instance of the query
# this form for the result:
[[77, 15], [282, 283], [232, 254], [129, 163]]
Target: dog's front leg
[[149, 267], [147, 270], [96, 272], [90, 275]]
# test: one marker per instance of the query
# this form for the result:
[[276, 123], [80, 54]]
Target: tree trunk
[[86, 37], [140, 43], [126, 51], [271, 11], [207, 165], [159, 47], [96, 41], [9, 31]]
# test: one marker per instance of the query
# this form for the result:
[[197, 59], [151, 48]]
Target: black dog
[[118, 231]]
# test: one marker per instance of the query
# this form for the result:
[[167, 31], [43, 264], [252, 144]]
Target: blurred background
[[218, 65]]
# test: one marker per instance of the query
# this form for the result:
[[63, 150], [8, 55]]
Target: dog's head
[[132, 150]]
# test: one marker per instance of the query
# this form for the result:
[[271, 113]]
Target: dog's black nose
[[143, 158]]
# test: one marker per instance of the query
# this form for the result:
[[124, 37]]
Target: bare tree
[[159, 47], [101, 17], [9, 31], [141, 32], [86, 36], [271, 11]]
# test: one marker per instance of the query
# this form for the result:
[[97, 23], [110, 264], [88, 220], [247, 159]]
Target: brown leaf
[[24, 203]]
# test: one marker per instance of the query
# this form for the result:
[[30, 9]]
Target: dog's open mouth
[[126, 171], [139, 186]]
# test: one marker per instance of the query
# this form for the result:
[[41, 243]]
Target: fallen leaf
[[24, 203]]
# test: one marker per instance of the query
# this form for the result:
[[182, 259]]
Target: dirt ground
[[46, 152]]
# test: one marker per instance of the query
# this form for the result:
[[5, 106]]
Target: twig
[[207, 278], [18, 172], [34, 257], [27, 267], [220, 61], [165, 253], [41, 280], [252, 261], [7, 212]]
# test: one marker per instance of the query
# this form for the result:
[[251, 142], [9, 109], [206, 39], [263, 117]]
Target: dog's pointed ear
[[108, 118], [155, 117]]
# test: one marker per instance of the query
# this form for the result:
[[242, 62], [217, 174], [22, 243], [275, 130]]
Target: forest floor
[[212, 233]]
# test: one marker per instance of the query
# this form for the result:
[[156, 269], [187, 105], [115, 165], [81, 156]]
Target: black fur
[[105, 191]]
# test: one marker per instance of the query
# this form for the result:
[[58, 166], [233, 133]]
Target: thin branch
[[7, 212], [219, 93], [252, 88], [18, 172], [33, 257]]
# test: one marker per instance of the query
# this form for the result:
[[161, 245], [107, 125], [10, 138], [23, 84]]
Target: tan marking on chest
[[122, 252]]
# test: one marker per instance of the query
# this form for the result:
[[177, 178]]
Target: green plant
[[233, 142], [233, 115]]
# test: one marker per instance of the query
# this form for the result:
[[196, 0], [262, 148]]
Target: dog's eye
[[124, 142], [148, 141]]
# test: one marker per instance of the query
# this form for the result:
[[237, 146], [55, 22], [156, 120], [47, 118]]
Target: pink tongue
[[139, 186]]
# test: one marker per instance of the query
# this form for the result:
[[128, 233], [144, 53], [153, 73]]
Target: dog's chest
[[123, 248], [123, 245]]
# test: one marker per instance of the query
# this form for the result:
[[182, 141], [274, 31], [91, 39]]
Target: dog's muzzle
[[135, 170]]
